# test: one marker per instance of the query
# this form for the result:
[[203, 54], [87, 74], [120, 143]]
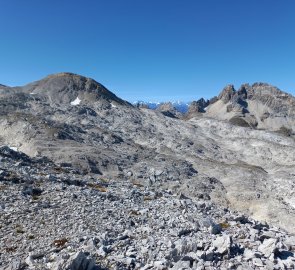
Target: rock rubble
[[82, 222]]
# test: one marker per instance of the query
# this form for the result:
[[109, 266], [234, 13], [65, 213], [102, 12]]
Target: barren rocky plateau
[[89, 181]]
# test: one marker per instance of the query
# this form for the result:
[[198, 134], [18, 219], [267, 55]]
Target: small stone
[[181, 265], [209, 255], [268, 246], [129, 173], [129, 261], [102, 251], [289, 263], [160, 265], [248, 254], [30, 261], [257, 262], [78, 261], [91, 246], [222, 244], [184, 232], [290, 242], [215, 229]]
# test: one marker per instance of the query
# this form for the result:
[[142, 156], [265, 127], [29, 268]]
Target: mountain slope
[[122, 150]]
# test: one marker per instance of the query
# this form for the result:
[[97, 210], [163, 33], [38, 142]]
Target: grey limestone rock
[[268, 246], [222, 244], [89, 181], [77, 261]]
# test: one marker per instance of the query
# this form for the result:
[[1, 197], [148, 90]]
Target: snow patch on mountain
[[76, 101]]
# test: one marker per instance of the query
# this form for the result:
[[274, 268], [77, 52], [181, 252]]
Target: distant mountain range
[[178, 105]]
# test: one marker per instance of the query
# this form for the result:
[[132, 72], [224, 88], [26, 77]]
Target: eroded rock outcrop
[[259, 105]]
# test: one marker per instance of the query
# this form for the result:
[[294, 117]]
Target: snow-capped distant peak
[[76, 101], [179, 105]]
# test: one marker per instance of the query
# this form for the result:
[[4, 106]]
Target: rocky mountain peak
[[258, 105], [244, 90], [197, 107], [69, 88], [262, 84], [261, 89], [169, 110], [257, 90], [227, 93], [166, 106]]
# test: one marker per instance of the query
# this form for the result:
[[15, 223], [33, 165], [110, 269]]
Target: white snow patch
[[32, 93], [113, 106], [13, 148], [76, 101]]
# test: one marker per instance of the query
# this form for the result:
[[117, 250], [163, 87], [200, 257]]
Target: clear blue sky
[[150, 49]]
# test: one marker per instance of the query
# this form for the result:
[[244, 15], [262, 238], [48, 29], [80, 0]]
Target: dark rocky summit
[[197, 107], [88, 181]]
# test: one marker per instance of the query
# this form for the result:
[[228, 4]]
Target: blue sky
[[150, 49]]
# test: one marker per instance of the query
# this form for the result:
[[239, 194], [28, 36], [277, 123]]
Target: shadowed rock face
[[197, 107], [145, 174], [227, 93]]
